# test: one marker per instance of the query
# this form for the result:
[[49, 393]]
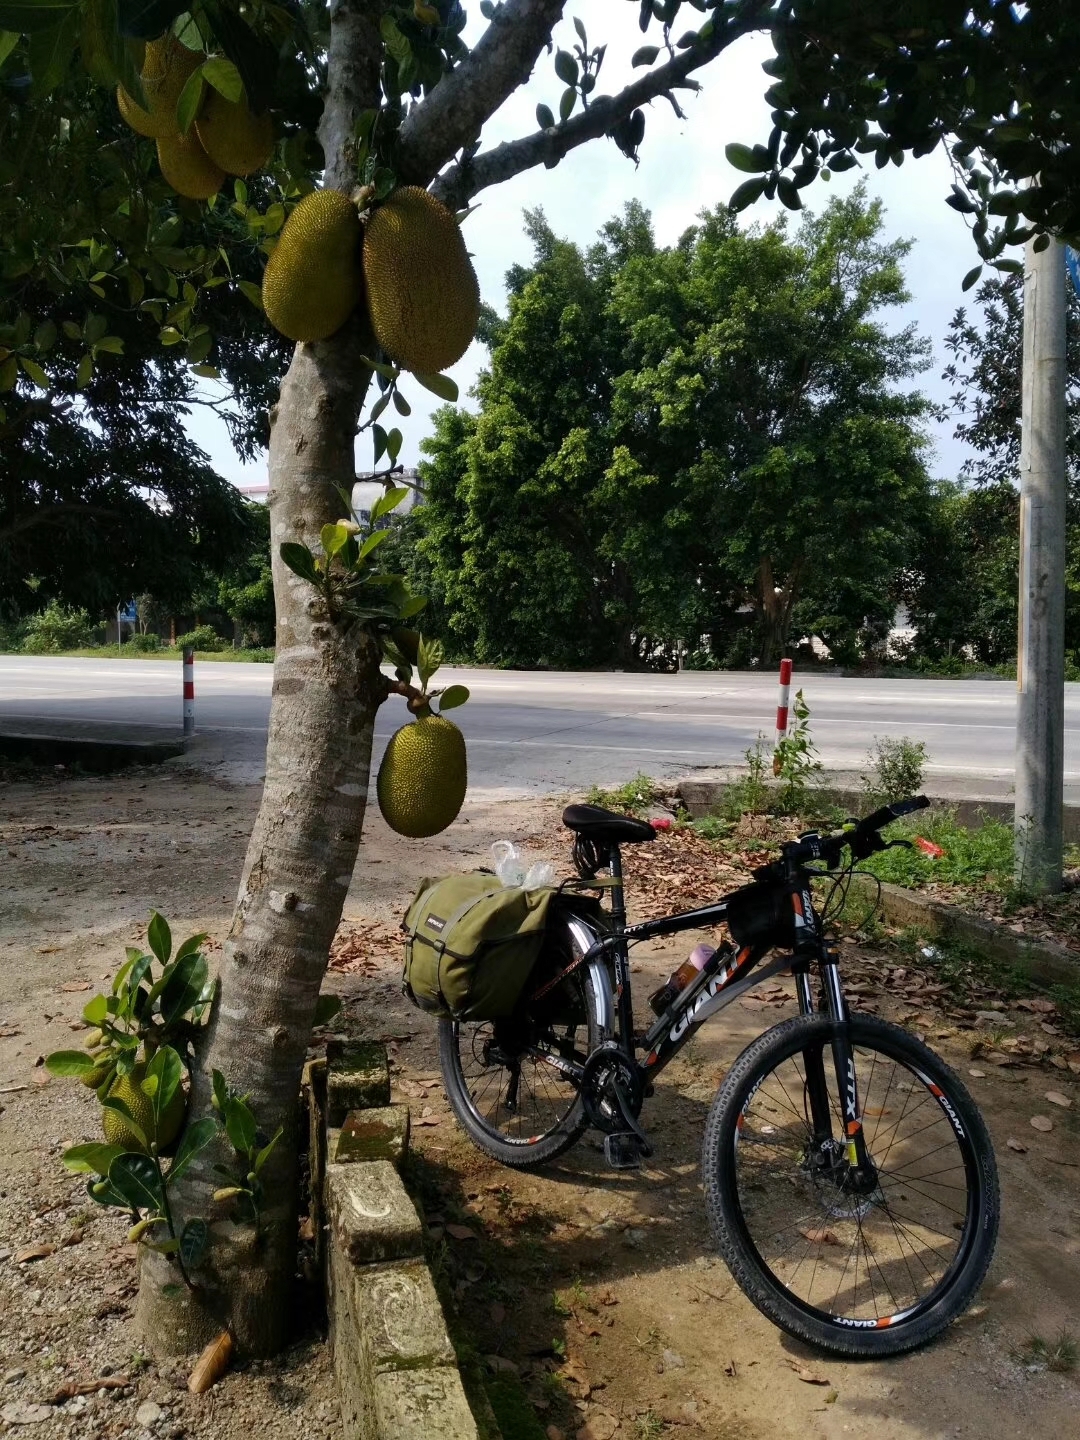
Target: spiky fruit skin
[[187, 167], [93, 1078], [423, 777], [422, 292], [167, 67], [313, 281], [128, 1088], [237, 141]]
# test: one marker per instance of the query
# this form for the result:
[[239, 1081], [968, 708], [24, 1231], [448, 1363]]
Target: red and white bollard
[[782, 710], [189, 691]]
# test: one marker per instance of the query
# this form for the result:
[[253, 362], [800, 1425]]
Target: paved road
[[532, 732]]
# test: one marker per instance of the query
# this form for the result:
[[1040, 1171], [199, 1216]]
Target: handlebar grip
[[888, 813]]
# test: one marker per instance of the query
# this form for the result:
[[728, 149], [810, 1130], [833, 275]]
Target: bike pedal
[[623, 1151]]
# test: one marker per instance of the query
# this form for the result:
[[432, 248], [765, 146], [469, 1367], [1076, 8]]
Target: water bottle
[[678, 980]]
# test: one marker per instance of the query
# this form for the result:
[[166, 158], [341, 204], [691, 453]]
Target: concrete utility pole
[[1040, 660]]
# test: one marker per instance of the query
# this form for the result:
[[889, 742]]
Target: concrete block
[[358, 1078], [422, 1404], [399, 1316], [370, 1213], [381, 1134]]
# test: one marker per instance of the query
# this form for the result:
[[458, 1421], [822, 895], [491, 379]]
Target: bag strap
[[439, 946]]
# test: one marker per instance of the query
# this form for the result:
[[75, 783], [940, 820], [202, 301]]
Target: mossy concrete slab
[[371, 1214], [358, 1078], [423, 1404], [399, 1316], [381, 1134]]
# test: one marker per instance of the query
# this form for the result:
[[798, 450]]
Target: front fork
[[811, 944]]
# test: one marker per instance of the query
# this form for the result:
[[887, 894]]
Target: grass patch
[[127, 652], [633, 798], [1059, 1355], [516, 1416], [981, 858]]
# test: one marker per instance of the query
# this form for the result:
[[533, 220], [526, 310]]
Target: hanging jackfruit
[[423, 776], [187, 167], [167, 66], [236, 140], [422, 293], [128, 1089], [313, 281]]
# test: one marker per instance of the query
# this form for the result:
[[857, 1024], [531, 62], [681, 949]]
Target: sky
[[682, 171]]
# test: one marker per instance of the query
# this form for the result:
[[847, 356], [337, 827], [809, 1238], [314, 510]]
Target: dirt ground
[[597, 1289]]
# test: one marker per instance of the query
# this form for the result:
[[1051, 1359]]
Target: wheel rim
[[870, 1261], [518, 1098]]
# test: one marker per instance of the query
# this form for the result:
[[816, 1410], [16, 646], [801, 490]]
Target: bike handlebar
[[861, 837]]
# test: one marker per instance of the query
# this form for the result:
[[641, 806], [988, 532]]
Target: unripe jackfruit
[[423, 777], [236, 140], [187, 167], [421, 287], [128, 1088], [166, 69], [313, 281]]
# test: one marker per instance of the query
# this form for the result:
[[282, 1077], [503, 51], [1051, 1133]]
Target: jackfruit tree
[[373, 98]]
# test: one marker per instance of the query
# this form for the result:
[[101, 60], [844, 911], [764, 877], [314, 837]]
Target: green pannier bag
[[470, 945]]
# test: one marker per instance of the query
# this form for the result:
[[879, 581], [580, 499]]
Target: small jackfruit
[[187, 167], [167, 67], [128, 1089], [313, 281], [236, 140], [423, 777], [422, 293]]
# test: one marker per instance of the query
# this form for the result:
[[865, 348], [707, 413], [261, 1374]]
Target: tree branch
[[455, 111], [456, 186]]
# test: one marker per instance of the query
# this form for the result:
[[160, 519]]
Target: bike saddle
[[592, 822]]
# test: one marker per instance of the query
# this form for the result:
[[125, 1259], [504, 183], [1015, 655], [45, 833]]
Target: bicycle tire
[[731, 1124], [519, 1151]]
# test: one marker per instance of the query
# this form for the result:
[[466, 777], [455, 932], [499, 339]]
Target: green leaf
[[45, 335], [378, 435], [544, 118], [240, 1126], [187, 106], [567, 101], [195, 1139], [26, 17], [35, 372], [326, 1007], [165, 1072], [9, 373], [8, 40], [300, 561], [788, 193], [101, 45], [191, 944], [184, 988], [223, 75], [136, 1178], [373, 541], [393, 445], [102, 1193], [566, 67], [159, 937], [388, 372], [85, 372], [91, 1159], [390, 499], [252, 291], [401, 405], [194, 1238], [971, 277], [49, 53], [645, 56], [264, 1154], [221, 1091], [747, 193], [452, 697], [429, 655], [440, 385], [742, 157], [69, 1062], [96, 1010]]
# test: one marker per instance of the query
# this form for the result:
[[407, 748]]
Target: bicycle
[[850, 1182]]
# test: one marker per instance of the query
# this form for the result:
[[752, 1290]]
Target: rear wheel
[[855, 1266], [509, 1081]]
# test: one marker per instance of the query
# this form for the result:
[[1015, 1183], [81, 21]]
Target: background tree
[[405, 99], [667, 439]]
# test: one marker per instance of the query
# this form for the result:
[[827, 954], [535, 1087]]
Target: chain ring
[[605, 1065]]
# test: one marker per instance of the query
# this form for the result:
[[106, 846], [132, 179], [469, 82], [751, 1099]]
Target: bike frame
[[724, 979]]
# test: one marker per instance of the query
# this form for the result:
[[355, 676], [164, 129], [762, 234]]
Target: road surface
[[533, 732]]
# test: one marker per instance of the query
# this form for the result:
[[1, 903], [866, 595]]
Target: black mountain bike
[[849, 1179]]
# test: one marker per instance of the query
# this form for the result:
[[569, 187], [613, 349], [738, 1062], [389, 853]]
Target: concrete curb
[[395, 1364], [99, 756]]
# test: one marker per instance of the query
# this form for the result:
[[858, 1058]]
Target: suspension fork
[[858, 1157]]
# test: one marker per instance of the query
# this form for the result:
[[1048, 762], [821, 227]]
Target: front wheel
[[856, 1269]]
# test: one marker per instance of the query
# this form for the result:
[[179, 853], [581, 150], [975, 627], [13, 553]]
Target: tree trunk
[[300, 860]]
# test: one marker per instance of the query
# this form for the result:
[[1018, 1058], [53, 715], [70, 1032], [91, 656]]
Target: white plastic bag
[[513, 867]]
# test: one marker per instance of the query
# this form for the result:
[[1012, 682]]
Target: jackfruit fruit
[[422, 293], [423, 776], [166, 69], [128, 1088], [236, 140], [313, 281], [187, 167], [95, 1077]]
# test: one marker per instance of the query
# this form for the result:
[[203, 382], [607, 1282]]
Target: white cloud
[[682, 171]]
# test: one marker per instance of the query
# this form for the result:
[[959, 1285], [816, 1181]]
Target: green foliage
[[203, 637], [707, 447], [633, 798], [244, 1187], [982, 857], [896, 769], [144, 644], [796, 763], [57, 627], [516, 1417]]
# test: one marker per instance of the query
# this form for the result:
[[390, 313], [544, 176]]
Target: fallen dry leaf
[[554, 1433], [1041, 1122], [819, 1236], [1015, 1145], [608, 1297], [211, 1364], [460, 1232], [1057, 1098], [808, 1377], [71, 1388], [599, 1426], [33, 1252], [72, 985], [499, 1364]]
